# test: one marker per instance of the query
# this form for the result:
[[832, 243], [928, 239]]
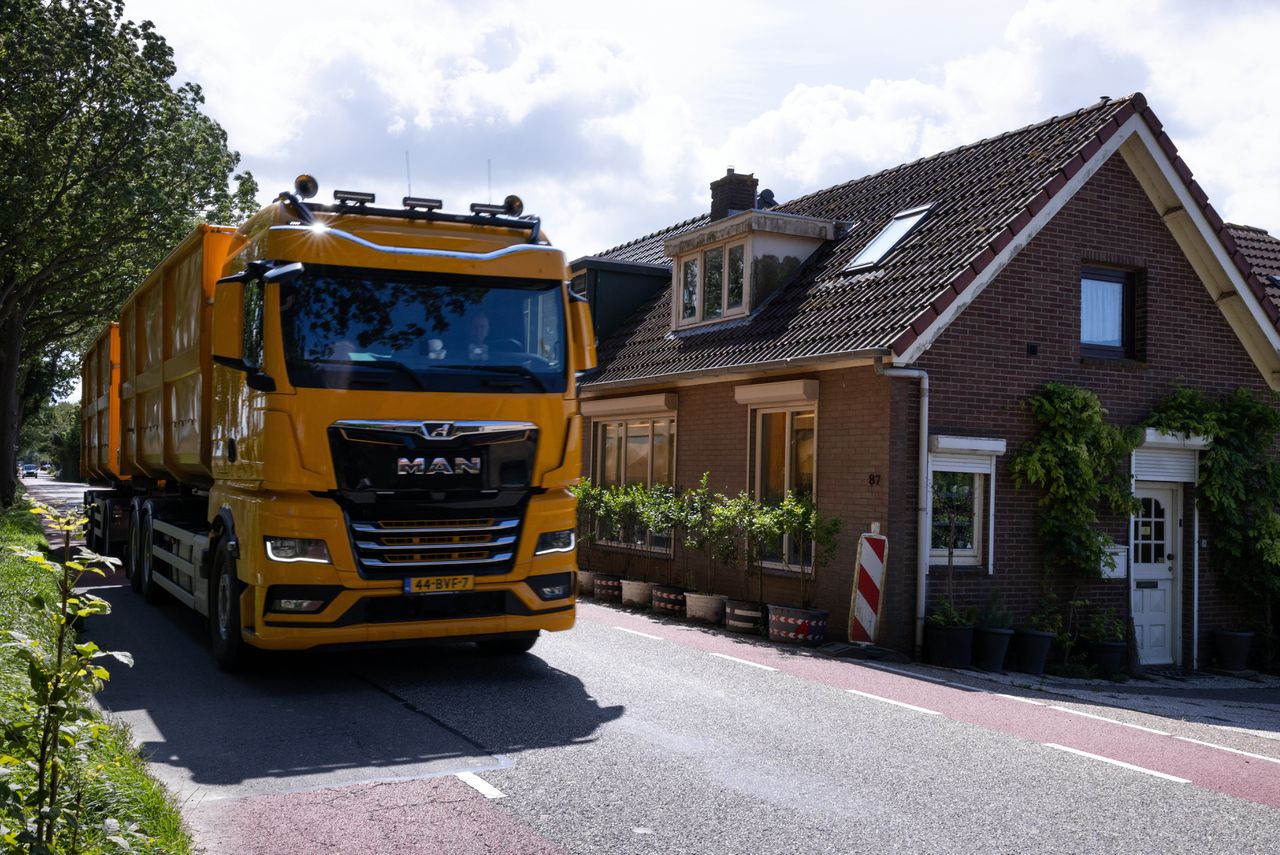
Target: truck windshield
[[345, 328]]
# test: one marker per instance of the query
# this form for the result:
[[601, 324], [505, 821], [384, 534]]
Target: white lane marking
[[891, 701], [1232, 750], [1018, 698], [744, 662], [641, 634], [1108, 720], [1119, 763], [480, 785], [913, 675]]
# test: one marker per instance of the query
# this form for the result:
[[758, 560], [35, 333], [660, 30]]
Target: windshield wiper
[[384, 364], [513, 370]]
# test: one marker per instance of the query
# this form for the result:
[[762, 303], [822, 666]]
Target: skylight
[[890, 236]]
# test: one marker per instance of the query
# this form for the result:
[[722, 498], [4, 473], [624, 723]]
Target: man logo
[[439, 466]]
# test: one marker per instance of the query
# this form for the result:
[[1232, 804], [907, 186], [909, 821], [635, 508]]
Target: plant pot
[[637, 595], [1030, 650], [990, 647], [704, 608], [669, 600], [608, 589], [1231, 649], [586, 583], [1110, 657], [948, 646], [797, 626], [744, 616]]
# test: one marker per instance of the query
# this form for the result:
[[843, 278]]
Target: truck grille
[[481, 546]]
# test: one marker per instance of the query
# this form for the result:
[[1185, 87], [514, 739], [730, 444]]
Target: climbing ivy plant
[[1082, 465], [1239, 487]]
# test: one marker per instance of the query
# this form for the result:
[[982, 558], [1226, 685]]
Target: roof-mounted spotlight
[[353, 197], [511, 206], [305, 186], [418, 203]]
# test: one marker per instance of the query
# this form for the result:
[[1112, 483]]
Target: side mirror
[[584, 336], [228, 323]]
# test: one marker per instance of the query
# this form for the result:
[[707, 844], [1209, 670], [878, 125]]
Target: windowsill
[[1100, 360], [706, 324], [975, 569]]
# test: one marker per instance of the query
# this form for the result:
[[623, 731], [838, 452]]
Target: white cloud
[[611, 121]]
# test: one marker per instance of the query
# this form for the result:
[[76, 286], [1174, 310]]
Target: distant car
[[29, 470]]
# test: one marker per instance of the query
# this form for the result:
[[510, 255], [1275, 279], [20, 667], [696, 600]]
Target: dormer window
[[713, 283], [902, 224]]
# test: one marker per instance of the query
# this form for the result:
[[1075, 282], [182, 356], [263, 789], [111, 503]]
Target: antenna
[[489, 165], [408, 177]]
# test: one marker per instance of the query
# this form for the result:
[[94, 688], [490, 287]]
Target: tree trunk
[[10, 410]]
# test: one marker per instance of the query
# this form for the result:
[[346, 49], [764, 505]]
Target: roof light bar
[[353, 197], [418, 203], [482, 208]]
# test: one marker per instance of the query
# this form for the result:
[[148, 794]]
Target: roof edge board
[[1041, 218], [702, 377], [1204, 250]]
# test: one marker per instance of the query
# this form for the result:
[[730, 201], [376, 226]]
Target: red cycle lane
[[1149, 746]]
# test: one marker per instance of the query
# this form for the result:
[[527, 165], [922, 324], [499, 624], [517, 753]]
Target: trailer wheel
[[140, 558], [507, 646], [229, 648]]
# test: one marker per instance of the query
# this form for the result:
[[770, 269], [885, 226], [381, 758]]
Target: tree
[[103, 167]]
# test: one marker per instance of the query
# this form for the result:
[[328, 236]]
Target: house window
[[1106, 313], [957, 518], [636, 451], [784, 463], [962, 499], [713, 284]]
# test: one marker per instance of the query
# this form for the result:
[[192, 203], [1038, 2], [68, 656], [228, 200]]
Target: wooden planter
[[797, 626], [608, 589], [669, 600], [637, 595], [704, 608], [744, 616]]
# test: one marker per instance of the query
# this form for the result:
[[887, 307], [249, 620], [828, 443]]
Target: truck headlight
[[291, 550], [554, 541]]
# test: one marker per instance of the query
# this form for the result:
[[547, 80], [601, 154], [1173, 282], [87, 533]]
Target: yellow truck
[[345, 424]]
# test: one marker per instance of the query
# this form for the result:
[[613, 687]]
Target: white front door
[[1154, 564]]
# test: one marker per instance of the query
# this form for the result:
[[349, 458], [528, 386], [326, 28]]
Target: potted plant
[[660, 512], [608, 527], [949, 631], [992, 635], [1104, 638], [1231, 649], [589, 497], [814, 538], [697, 527], [1031, 643], [745, 528], [625, 504]]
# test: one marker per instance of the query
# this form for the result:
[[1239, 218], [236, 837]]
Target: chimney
[[734, 192]]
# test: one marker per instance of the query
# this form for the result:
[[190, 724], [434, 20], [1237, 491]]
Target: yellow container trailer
[[345, 425]]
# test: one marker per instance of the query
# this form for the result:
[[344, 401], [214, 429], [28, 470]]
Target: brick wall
[[980, 372]]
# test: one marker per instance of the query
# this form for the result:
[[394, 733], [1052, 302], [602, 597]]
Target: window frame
[[969, 557], [699, 259], [1127, 280], [755, 422], [599, 425], [977, 456]]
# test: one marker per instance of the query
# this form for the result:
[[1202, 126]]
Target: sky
[[611, 120]]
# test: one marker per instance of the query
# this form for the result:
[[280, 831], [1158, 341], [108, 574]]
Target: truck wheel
[[507, 646], [142, 580], [229, 648]]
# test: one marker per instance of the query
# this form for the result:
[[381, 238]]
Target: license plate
[[438, 584]]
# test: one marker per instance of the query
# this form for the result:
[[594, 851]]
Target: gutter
[[923, 493]]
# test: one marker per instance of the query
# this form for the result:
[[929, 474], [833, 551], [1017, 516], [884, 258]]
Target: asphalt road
[[630, 734]]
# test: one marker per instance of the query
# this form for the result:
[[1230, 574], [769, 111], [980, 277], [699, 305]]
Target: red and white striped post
[[868, 587]]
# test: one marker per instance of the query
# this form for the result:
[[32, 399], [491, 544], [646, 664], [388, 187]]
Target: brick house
[[880, 335]]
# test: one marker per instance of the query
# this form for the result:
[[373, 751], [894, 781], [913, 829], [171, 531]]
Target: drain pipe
[[923, 495]]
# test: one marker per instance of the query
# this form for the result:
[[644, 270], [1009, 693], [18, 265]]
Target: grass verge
[[120, 798]]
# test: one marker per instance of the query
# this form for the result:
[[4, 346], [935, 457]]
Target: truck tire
[[140, 540], [229, 648], [508, 646]]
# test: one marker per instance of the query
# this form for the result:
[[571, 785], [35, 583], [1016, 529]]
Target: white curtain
[[1101, 312]]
